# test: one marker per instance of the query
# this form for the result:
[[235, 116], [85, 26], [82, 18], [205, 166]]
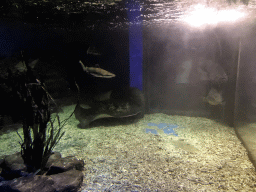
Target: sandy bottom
[[205, 156]]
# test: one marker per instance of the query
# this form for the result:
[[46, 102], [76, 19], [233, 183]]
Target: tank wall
[[181, 66], [246, 81]]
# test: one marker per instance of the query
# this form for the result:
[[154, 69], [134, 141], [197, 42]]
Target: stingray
[[130, 103]]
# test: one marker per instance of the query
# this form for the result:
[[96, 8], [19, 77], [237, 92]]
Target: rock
[[65, 164], [14, 161], [67, 181], [62, 174], [54, 157], [12, 166], [26, 184]]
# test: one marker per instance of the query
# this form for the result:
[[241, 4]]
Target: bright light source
[[202, 15]]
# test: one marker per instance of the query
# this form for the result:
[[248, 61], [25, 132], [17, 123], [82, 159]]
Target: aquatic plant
[[36, 147]]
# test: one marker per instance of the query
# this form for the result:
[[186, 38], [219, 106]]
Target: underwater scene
[[125, 96]]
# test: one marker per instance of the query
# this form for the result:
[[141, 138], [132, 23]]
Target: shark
[[97, 71]]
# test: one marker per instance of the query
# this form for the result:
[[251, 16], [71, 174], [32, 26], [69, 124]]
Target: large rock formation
[[61, 174]]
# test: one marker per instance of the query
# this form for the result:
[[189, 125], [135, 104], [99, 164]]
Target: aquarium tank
[[127, 95]]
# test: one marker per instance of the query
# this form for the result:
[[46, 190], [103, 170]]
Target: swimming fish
[[93, 51], [130, 104], [21, 67], [214, 97], [97, 72]]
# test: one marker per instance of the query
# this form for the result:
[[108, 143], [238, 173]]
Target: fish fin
[[33, 63], [100, 116], [93, 51], [102, 76], [84, 68]]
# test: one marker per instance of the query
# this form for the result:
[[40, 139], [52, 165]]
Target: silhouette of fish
[[122, 103], [21, 67], [97, 72], [214, 97], [93, 51]]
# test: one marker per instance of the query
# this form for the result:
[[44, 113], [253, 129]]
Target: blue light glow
[[135, 44]]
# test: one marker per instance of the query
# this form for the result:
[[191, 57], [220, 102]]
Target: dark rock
[[12, 166], [65, 164], [62, 174], [14, 162], [2, 179], [2, 160], [68, 181], [27, 184], [54, 157]]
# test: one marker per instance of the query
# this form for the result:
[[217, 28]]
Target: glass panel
[[152, 95]]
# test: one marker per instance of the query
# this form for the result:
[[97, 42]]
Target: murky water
[[116, 14]]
